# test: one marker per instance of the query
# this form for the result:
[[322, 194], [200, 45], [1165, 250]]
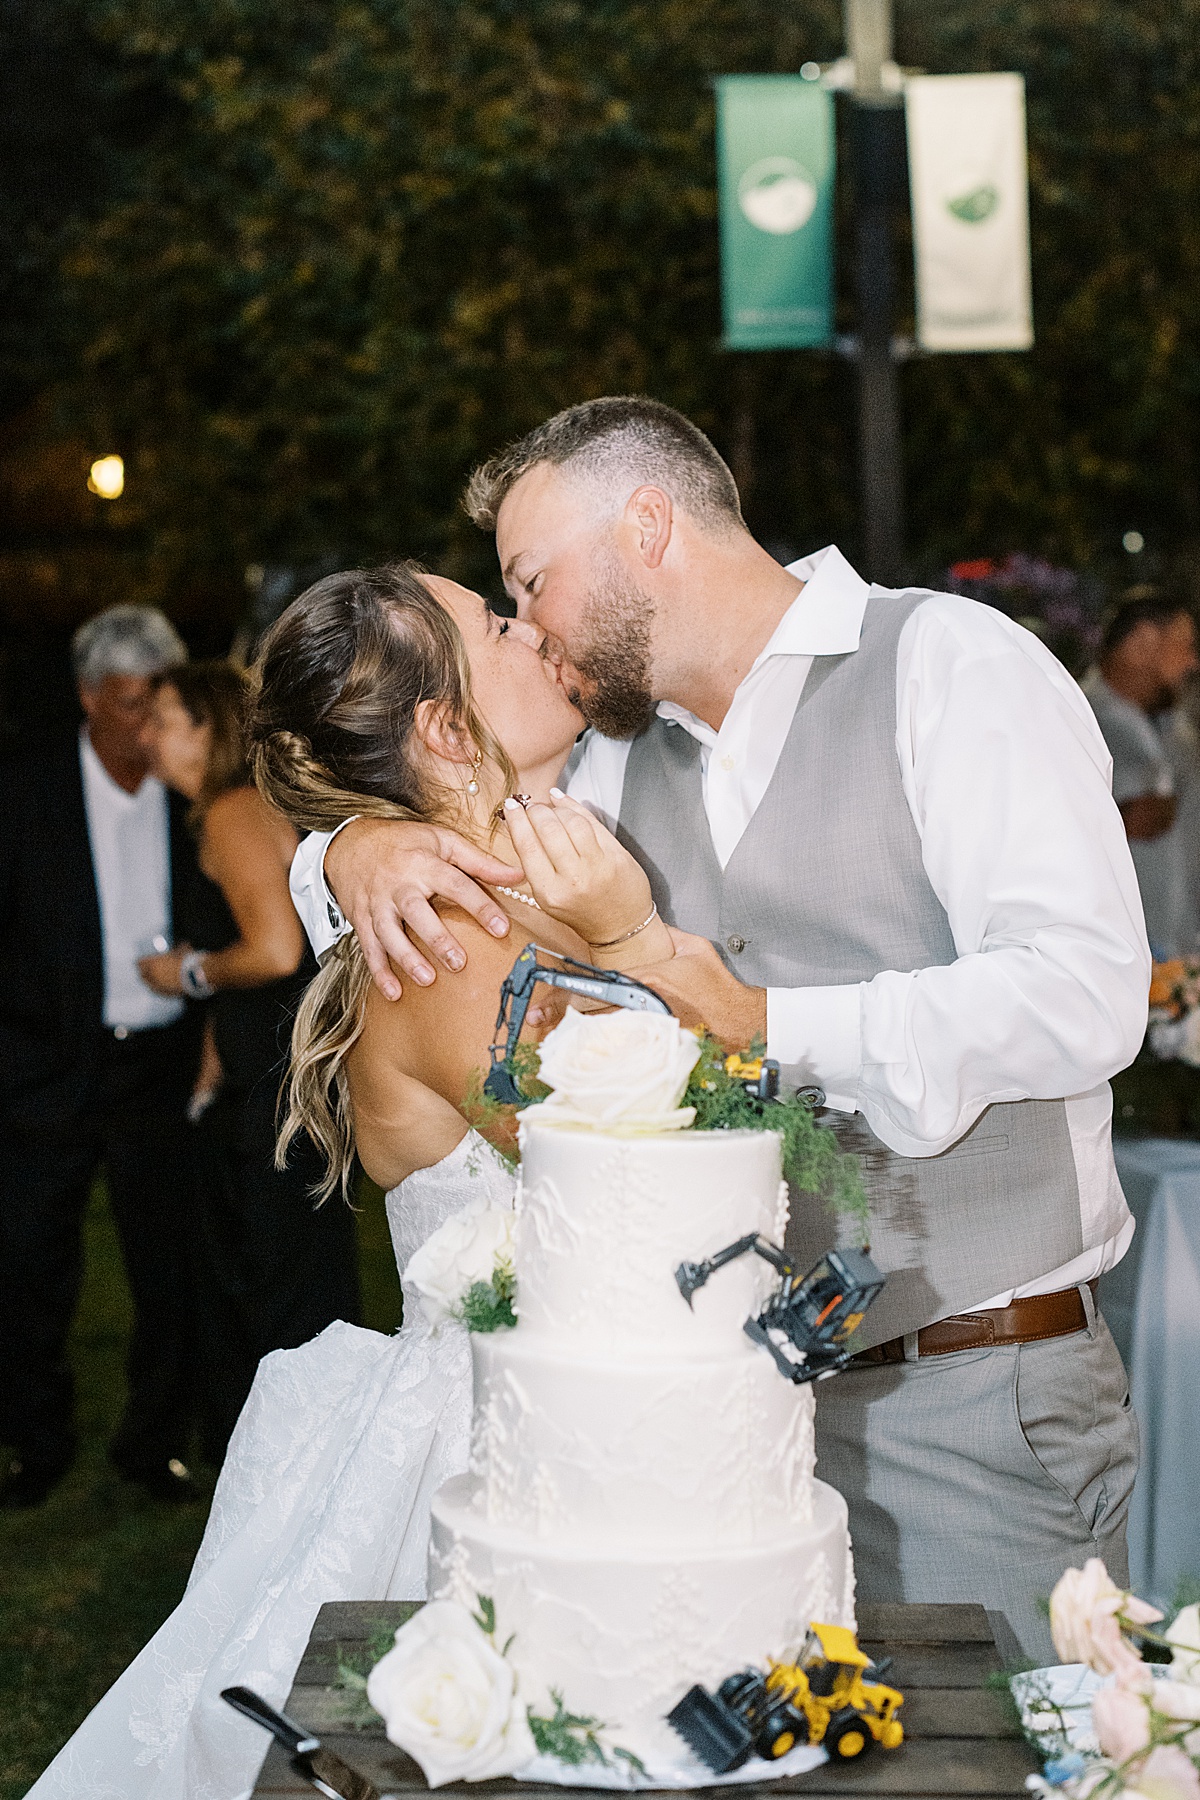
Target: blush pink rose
[[1122, 1722], [1087, 1610], [1167, 1774]]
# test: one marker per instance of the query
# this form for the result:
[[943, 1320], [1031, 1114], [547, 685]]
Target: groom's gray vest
[[825, 887]]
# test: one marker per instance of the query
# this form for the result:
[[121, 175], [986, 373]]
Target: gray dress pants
[[984, 1474]]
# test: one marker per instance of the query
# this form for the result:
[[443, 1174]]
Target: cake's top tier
[[604, 1222]]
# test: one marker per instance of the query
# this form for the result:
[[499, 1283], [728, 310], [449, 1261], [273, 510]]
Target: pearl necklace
[[525, 899]]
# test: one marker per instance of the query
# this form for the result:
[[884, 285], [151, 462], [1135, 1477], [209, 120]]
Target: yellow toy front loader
[[820, 1698]]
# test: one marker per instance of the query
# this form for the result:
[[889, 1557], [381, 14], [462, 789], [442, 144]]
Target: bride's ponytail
[[329, 1022], [331, 731]]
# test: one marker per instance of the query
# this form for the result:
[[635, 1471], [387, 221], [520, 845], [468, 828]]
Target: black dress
[[272, 1269]]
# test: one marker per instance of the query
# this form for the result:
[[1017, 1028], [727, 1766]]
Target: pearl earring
[[473, 784]]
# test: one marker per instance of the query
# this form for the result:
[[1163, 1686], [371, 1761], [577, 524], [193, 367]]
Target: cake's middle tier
[[669, 1451]]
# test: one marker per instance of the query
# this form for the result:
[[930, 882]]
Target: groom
[[885, 816]]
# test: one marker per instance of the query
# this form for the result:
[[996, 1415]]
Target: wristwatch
[[192, 979]]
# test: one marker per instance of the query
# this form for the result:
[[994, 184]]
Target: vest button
[[735, 944]]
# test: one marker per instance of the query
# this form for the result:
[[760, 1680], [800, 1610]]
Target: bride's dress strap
[[473, 1172]]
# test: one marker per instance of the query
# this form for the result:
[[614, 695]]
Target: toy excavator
[[806, 1324], [605, 985], [759, 1075], [821, 1698]]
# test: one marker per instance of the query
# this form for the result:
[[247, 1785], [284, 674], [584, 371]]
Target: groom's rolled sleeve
[[816, 1035], [319, 913]]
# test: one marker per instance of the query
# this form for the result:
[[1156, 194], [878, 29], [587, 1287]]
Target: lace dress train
[[324, 1495]]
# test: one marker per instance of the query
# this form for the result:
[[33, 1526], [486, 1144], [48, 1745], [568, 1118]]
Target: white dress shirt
[[1007, 778], [130, 839]]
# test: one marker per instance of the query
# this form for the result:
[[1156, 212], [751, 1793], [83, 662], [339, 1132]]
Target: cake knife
[[322, 1768]]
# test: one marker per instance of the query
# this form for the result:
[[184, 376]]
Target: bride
[[402, 693]]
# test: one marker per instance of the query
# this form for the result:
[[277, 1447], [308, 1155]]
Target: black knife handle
[[293, 1737]]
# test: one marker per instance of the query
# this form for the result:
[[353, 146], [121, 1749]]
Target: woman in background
[[272, 1269]]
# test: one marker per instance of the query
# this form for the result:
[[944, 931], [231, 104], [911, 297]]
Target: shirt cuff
[[816, 1033], [320, 914]]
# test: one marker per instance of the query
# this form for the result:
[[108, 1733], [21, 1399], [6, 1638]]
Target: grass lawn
[[87, 1578]]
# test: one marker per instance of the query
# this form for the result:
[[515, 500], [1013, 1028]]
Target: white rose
[[622, 1072], [463, 1250], [448, 1697], [1184, 1637], [1189, 1050]]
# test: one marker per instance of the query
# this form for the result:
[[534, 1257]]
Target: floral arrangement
[[465, 1271], [632, 1073], [1145, 1718], [449, 1697], [813, 1161], [1174, 1031]]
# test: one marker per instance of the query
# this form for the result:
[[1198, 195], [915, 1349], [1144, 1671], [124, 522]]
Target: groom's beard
[[613, 657]]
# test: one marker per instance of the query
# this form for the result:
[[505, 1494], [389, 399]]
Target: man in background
[[1146, 654], [95, 1068]]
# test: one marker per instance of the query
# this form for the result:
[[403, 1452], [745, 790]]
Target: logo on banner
[[976, 205], [777, 195]]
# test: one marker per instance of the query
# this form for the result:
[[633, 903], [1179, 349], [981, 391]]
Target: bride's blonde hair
[[331, 732]]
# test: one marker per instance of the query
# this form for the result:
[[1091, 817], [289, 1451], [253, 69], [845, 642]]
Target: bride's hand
[[578, 871]]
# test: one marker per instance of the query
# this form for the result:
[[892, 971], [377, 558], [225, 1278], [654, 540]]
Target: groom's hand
[[702, 993], [384, 873]]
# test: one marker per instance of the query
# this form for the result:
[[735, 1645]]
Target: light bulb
[[106, 477]]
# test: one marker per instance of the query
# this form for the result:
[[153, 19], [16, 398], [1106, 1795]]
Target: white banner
[[970, 205]]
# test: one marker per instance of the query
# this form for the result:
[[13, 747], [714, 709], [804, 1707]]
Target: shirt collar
[[825, 618]]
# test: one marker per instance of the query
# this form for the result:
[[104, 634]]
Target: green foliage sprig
[[353, 1667], [488, 1305], [813, 1160], [574, 1738], [492, 1118]]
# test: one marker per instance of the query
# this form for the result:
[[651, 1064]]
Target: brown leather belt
[[1022, 1322]]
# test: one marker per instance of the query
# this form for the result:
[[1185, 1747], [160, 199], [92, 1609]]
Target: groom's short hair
[[619, 442]]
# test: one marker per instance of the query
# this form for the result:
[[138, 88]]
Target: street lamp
[[106, 477]]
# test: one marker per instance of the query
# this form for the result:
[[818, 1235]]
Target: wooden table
[[960, 1739]]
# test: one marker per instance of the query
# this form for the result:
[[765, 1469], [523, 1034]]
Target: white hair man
[[96, 1068]]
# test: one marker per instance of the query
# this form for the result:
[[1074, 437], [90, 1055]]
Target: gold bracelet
[[613, 942]]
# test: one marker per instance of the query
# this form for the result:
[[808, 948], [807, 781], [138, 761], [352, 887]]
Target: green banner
[[775, 166]]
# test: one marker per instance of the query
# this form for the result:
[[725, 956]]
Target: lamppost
[[874, 120]]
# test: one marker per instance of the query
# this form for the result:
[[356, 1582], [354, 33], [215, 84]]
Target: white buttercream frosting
[[641, 1505]]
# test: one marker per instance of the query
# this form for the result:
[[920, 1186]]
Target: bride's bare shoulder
[[418, 1057]]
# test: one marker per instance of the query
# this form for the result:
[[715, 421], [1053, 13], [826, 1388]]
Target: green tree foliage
[[383, 236]]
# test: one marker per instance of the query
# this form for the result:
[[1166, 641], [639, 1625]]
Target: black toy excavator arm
[[691, 1275], [607, 986]]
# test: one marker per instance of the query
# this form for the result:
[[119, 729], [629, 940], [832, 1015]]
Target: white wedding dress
[[324, 1496]]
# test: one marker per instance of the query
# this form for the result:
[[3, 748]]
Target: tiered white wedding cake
[[641, 1508]]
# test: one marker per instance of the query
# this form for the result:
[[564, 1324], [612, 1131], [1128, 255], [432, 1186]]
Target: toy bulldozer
[[819, 1699]]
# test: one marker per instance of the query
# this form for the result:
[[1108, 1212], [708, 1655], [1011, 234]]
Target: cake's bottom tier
[[622, 1636]]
